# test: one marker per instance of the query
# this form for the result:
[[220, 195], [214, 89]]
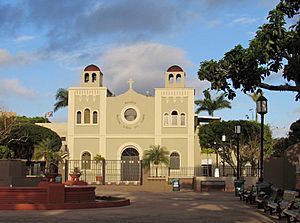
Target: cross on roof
[[130, 83]]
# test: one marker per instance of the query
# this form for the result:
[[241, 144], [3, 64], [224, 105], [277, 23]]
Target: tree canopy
[[281, 144], [23, 137], [274, 49], [210, 136]]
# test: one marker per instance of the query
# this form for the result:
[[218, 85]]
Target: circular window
[[130, 114]]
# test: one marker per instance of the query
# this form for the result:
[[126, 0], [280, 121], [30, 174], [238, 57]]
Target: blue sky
[[44, 45]]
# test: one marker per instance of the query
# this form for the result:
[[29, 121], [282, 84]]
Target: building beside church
[[121, 127]]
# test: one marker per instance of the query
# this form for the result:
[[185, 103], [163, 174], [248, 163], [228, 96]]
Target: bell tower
[[91, 77], [174, 77]]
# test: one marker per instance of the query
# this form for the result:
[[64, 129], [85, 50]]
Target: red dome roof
[[175, 68], [92, 67]]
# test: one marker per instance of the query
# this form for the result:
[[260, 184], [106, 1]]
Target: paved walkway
[[173, 207]]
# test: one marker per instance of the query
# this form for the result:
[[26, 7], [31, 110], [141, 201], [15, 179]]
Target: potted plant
[[98, 158], [75, 174]]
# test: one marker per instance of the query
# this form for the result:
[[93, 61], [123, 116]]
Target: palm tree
[[47, 150], [254, 96], [210, 105], [61, 99], [156, 155]]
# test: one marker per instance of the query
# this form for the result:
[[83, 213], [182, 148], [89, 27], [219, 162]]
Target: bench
[[287, 199], [263, 190], [293, 215], [262, 197], [249, 195], [271, 202], [212, 184], [292, 212]]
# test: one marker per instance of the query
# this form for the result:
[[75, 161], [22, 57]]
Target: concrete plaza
[[175, 207]]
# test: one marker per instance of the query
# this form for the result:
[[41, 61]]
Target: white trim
[[175, 151], [86, 150], [138, 114], [129, 145], [84, 115], [98, 115], [76, 117]]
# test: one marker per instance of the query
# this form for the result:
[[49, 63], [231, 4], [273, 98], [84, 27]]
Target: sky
[[45, 45]]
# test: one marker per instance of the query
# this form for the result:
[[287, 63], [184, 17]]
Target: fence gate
[[130, 168]]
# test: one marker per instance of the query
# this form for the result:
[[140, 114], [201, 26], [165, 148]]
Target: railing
[[206, 170]]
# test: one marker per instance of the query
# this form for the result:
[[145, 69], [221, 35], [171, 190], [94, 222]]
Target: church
[[122, 127]]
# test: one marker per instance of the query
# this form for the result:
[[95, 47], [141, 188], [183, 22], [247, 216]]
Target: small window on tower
[[93, 77], [78, 117], [174, 115], [182, 119], [86, 77], [171, 78], [87, 116], [95, 118], [178, 78], [166, 119]]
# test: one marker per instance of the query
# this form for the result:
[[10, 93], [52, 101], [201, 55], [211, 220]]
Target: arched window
[[86, 160], [166, 119], [87, 116], [174, 160], [95, 117], [174, 116], [78, 117], [86, 77], [171, 78], [93, 77], [182, 119], [178, 78]]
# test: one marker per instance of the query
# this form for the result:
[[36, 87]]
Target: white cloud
[[20, 39], [13, 87], [244, 20], [21, 58], [144, 62]]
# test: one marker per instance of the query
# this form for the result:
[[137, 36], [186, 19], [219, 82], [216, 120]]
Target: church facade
[[128, 124]]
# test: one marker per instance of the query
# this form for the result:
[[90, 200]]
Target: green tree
[[294, 133], [274, 48], [6, 153], [23, 137], [210, 105], [46, 150], [156, 155], [211, 134], [32, 120], [61, 99]]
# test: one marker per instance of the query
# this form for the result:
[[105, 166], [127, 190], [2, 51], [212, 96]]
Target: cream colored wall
[[59, 128], [81, 145], [179, 145], [143, 104]]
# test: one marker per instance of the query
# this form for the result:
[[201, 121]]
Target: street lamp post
[[237, 131], [262, 109], [223, 162]]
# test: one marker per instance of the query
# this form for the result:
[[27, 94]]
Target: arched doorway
[[130, 165]]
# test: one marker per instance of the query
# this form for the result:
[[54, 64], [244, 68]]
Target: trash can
[[58, 179], [238, 187], [176, 184]]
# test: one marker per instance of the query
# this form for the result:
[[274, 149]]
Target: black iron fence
[[107, 171]]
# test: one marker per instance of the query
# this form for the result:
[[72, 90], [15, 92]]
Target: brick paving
[[175, 207]]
